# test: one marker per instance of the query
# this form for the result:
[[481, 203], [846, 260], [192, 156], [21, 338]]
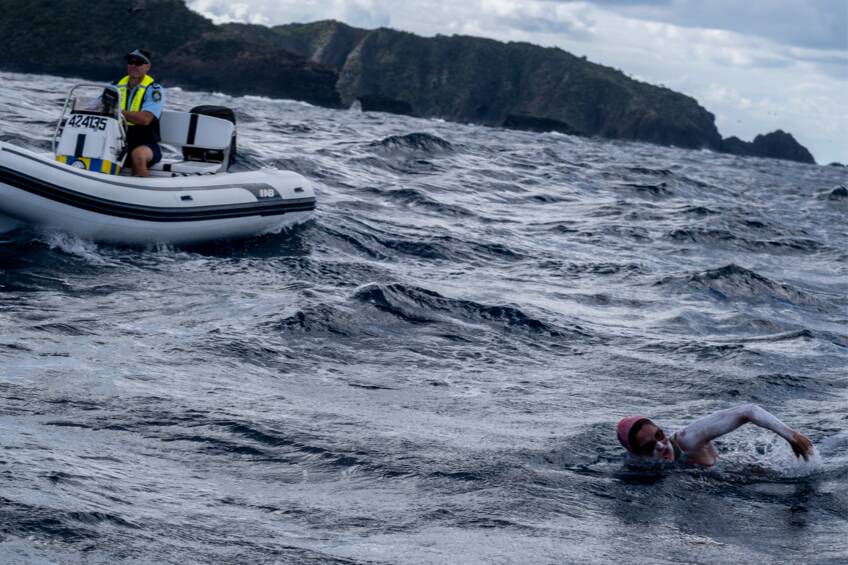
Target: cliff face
[[328, 63], [71, 38], [493, 83], [326, 42], [234, 60], [90, 38]]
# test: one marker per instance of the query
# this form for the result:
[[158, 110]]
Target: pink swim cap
[[624, 427]]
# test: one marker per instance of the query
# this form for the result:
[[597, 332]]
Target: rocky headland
[[328, 63], [89, 38]]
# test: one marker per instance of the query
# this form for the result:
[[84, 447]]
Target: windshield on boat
[[103, 105]]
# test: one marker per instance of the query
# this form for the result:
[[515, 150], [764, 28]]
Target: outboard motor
[[213, 155], [91, 133]]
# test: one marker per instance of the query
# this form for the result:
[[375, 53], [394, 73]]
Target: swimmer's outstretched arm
[[702, 431]]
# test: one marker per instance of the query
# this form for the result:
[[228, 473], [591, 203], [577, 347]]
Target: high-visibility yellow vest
[[134, 104]]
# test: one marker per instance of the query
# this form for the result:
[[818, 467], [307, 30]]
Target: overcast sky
[[758, 65]]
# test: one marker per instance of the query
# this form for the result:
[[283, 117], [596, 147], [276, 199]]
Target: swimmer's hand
[[801, 445]]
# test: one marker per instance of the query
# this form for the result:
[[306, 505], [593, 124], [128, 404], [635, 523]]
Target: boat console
[[91, 135], [91, 132]]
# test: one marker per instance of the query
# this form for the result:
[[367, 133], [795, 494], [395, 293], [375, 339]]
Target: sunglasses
[[136, 62], [648, 448]]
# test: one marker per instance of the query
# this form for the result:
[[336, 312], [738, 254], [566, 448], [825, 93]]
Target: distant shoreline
[[331, 64]]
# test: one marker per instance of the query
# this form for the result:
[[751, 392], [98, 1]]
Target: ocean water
[[430, 371]]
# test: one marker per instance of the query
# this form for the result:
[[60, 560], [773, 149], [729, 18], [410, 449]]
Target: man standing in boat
[[142, 100]]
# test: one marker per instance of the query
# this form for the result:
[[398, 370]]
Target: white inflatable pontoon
[[79, 189]]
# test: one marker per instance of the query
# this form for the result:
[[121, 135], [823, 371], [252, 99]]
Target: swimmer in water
[[693, 444]]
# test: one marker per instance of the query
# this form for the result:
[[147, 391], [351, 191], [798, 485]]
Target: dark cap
[[142, 54]]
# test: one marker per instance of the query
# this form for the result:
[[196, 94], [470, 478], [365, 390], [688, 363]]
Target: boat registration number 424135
[[92, 122]]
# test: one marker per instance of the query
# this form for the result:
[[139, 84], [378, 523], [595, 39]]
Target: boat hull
[[39, 192]]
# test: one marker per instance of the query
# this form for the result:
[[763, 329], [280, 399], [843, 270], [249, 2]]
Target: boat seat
[[184, 129], [180, 167]]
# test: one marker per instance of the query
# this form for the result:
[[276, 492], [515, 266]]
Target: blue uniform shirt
[[153, 101]]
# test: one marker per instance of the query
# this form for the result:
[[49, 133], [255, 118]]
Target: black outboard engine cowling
[[212, 155]]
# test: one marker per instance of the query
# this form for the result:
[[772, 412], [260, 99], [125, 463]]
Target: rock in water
[[781, 145], [776, 145]]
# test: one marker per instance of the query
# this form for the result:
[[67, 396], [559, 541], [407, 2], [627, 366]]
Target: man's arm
[[702, 431], [151, 107], [142, 118]]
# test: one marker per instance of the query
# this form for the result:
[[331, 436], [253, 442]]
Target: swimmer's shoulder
[[706, 456]]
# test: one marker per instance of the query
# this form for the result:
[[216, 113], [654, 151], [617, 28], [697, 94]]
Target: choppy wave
[[732, 282], [420, 144]]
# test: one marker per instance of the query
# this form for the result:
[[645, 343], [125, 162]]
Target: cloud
[[818, 24], [362, 13], [834, 65], [539, 17]]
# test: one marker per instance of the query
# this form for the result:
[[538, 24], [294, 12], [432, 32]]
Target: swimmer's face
[[652, 442]]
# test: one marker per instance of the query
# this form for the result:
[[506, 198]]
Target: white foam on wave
[[74, 245], [95, 254], [165, 253], [283, 101], [772, 453], [254, 98]]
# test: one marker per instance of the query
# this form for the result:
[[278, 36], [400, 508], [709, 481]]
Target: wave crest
[[418, 143], [733, 282]]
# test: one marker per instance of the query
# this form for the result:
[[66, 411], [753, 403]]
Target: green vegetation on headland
[[328, 63], [89, 38]]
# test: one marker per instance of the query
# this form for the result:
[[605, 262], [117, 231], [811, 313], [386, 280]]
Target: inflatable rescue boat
[[80, 188]]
